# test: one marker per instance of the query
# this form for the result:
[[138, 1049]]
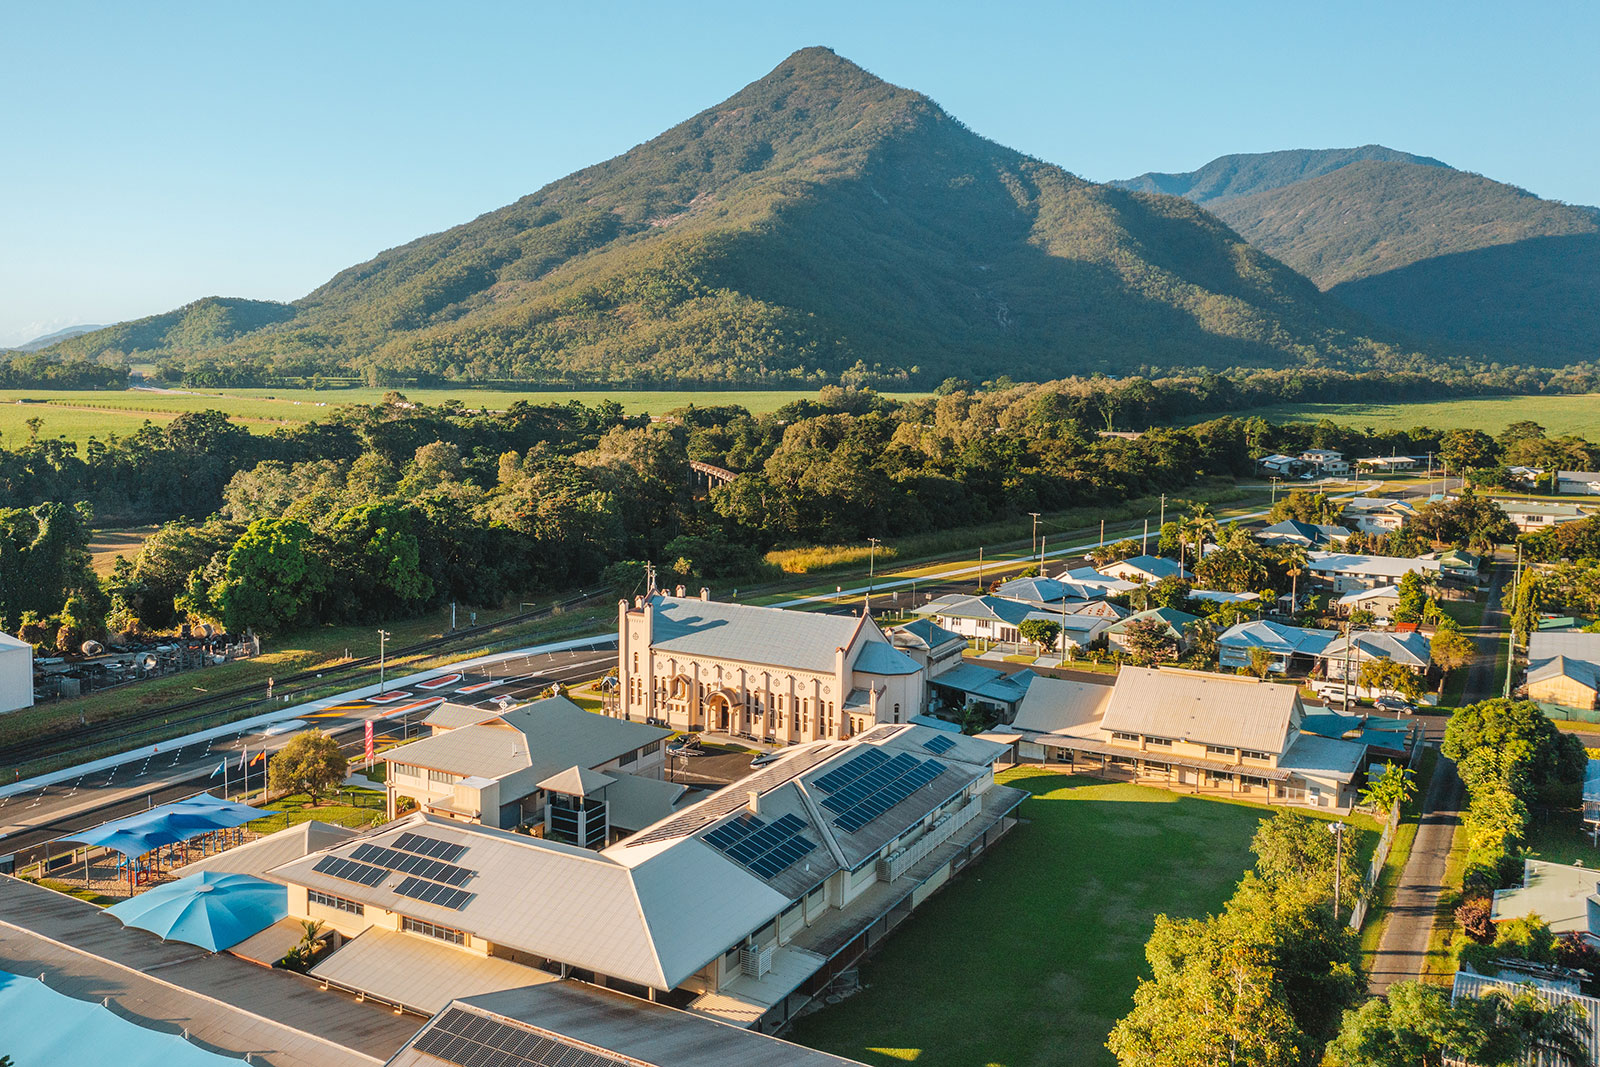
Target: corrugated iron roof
[[1211, 709]]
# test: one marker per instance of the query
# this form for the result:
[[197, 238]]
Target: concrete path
[[1403, 949], [225, 1004]]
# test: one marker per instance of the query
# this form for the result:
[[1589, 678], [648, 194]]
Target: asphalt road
[[1404, 946], [29, 820]]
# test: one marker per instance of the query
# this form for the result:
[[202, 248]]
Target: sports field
[[1576, 414], [1032, 953], [78, 415]]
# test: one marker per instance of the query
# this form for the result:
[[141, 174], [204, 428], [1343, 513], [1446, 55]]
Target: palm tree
[[1294, 560], [1198, 527]]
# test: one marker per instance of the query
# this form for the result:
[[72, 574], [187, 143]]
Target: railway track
[[245, 699]]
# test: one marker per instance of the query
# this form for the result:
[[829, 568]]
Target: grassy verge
[[1047, 930], [356, 808]]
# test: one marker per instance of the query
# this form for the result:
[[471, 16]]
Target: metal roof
[[1276, 637], [1559, 893], [1385, 566], [986, 682], [1467, 984], [925, 633], [1155, 566], [1546, 645], [1561, 667], [881, 657], [576, 782], [964, 606], [1055, 705], [419, 972], [1328, 756], [1176, 620], [1214, 709], [450, 715], [634, 801], [264, 853], [1410, 648], [801, 640]]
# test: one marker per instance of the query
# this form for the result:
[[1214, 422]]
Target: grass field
[[78, 415], [1032, 954], [1578, 414], [112, 541]]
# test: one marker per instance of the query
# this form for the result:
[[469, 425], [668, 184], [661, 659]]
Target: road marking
[[440, 683]]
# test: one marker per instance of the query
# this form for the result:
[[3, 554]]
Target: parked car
[[1395, 704]]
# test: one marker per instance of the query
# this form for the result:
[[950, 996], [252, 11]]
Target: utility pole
[[1144, 541], [1516, 594], [1035, 515], [1349, 645], [1041, 554], [1162, 524], [1102, 532], [649, 580], [383, 636], [980, 572], [1337, 830]]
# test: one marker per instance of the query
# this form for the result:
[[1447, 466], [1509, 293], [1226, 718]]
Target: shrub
[[825, 557], [1473, 915]]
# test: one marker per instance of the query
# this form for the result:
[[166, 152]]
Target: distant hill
[[46, 340], [198, 327], [1241, 175], [817, 222], [1447, 257]]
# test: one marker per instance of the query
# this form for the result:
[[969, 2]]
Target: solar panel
[[765, 849], [430, 846], [735, 797], [407, 863], [852, 769], [350, 870], [939, 744], [881, 786], [470, 1040], [433, 893]]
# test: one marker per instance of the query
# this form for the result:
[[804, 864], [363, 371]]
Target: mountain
[[1241, 175], [1443, 255], [200, 326], [46, 340], [817, 221]]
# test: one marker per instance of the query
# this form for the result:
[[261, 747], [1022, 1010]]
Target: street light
[[383, 635], [872, 567]]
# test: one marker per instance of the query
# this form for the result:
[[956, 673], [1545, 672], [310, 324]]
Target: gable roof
[[1562, 667], [264, 853], [1176, 620], [799, 640], [1574, 646], [881, 657], [1391, 592], [9, 642], [1276, 637], [924, 633], [1156, 566], [1410, 648], [1311, 534], [1058, 705], [1383, 566], [1214, 709], [1049, 590], [967, 606]]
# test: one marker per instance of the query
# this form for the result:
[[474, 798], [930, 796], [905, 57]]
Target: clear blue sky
[[161, 152]]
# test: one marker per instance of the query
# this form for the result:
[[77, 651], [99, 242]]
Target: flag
[[369, 740], [244, 757], [258, 758], [220, 768]]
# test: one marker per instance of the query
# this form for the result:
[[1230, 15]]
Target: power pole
[[1035, 515], [1144, 541], [980, 572], [1041, 554], [1516, 595], [383, 636], [1337, 830]]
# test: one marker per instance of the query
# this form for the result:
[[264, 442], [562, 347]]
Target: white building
[[1326, 462], [997, 618], [776, 675], [1527, 516], [1345, 572], [1146, 569], [16, 674], [1584, 483], [1376, 514]]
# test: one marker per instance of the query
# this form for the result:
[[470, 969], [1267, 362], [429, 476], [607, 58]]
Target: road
[[30, 819], [1403, 949]]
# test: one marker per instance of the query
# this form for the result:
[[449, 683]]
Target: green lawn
[[356, 808], [1579, 414], [1031, 955]]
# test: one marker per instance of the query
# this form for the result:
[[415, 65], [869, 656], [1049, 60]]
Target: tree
[[1385, 675], [1294, 560], [1260, 662], [1396, 785], [1413, 1025], [1451, 649], [1295, 849], [270, 577], [1198, 527], [311, 763], [1041, 633], [1149, 640], [1412, 599]]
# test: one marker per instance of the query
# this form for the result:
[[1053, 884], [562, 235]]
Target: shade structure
[[168, 824], [42, 1026], [211, 909]]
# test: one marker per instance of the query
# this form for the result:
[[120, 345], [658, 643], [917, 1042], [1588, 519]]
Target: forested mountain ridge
[[196, 327], [820, 223], [1452, 260]]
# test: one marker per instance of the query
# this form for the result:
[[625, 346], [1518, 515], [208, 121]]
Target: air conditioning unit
[[756, 962]]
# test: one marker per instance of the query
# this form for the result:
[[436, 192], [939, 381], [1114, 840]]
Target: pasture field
[[1575, 414], [1046, 931], [78, 415]]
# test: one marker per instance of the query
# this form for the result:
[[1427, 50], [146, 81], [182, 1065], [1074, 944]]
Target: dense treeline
[[26, 371]]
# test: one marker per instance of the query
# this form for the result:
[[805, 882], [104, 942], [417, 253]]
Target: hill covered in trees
[[819, 224], [1446, 256], [198, 327]]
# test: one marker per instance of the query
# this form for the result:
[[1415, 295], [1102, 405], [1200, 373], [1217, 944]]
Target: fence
[[1380, 855]]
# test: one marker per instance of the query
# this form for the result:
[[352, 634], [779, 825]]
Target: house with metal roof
[[1326, 462], [1381, 601], [990, 687], [1302, 534], [1146, 569], [740, 906], [1343, 656], [1554, 995], [491, 766], [1090, 578], [1175, 624], [999, 619], [772, 674], [1564, 671], [934, 648], [1376, 514], [1528, 515], [1387, 464], [1051, 592], [1192, 731], [1345, 571], [1565, 896], [1291, 647], [1584, 483]]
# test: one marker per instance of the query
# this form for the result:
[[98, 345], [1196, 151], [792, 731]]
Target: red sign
[[369, 739]]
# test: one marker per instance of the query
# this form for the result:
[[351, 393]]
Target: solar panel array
[[430, 846], [730, 800], [866, 787], [407, 863], [472, 1040], [765, 849], [939, 744], [433, 893], [350, 870]]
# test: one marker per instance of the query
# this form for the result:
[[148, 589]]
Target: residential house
[[1091, 578], [1381, 601], [1302, 534], [1376, 514], [769, 673], [1344, 572], [1342, 657], [492, 767], [1527, 515], [934, 648], [1278, 463], [1326, 462], [1223, 596], [740, 907], [997, 618], [986, 687], [1583, 483], [1146, 569], [1191, 731], [1174, 623], [1388, 464], [1457, 564], [1291, 647], [1565, 896], [1554, 995], [1564, 671], [1052, 592], [1527, 477]]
